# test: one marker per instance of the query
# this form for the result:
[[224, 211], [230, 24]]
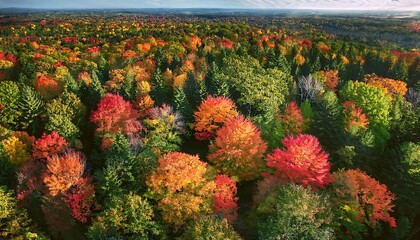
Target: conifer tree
[[31, 105], [159, 92], [182, 105]]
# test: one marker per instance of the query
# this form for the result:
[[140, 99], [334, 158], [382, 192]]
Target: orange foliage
[[182, 187], [354, 118], [212, 113], [63, 171], [389, 86], [373, 199], [331, 79], [292, 119], [47, 87], [238, 149]]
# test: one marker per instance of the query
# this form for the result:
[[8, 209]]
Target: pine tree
[[94, 92], [192, 90], [71, 85], [128, 90], [159, 92], [182, 105], [31, 104], [215, 85]]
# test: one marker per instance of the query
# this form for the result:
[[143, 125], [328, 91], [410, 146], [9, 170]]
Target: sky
[[413, 5]]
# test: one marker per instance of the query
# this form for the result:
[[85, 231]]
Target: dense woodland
[[181, 127]]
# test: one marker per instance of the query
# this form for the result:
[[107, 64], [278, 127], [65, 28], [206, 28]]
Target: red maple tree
[[225, 202], [48, 145], [302, 161], [114, 114]]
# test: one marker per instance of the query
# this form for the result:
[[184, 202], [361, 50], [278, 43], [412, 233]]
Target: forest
[[148, 126]]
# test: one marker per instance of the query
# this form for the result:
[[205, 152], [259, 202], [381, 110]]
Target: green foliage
[[293, 212], [182, 105], [9, 99], [257, 90], [8, 169], [215, 85], [402, 173], [374, 103], [118, 175], [14, 222], [209, 228], [31, 104], [129, 90], [272, 130], [160, 92], [93, 93], [71, 85], [126, 216], [65, 115]]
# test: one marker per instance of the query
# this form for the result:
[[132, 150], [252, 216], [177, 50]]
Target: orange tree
[[238, 149], [183, 187], [360, 203], [212, 113]]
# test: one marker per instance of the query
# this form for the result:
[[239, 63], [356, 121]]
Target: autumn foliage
[[64, 171], [302, 161], [371, 199], [80, 198], [238, 149], [354, 118], [182, 186], [212, 113], [292, 119], [224, 198], [47, 87], [48, 145], [389, 86], [114, 114]]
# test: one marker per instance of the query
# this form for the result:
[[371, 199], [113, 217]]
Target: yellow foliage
[[16, 151]]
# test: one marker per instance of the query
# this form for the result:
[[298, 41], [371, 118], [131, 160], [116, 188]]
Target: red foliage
[[47, 87], [224, 198], [331, 79], [302, 161], [48, 145], [114, 114], [212, 113], [30, 179], [80, 199], [238, 149], [373, 199], [292, 119]]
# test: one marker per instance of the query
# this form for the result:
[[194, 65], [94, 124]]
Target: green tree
[[182, 105], [127, 216], [31, 104], [209, 228], [159, 91], [14, 222], [9, 99], [293, 212]]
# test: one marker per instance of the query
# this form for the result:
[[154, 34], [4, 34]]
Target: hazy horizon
[[358, 5]]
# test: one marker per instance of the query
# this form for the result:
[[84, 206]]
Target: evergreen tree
[[192, 90], [31, 105], [94, 92], [128, 90], [182, 105], [71, 85], [159, 91], [118, 176], [215, 85]]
